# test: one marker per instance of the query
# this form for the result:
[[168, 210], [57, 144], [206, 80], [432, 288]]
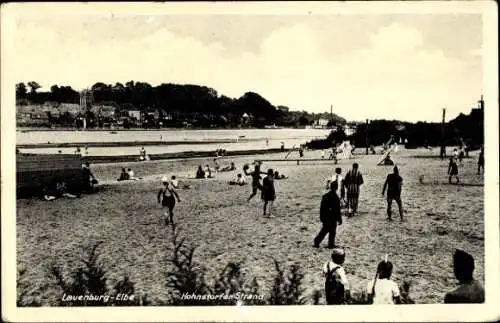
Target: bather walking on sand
[[166, 196], [268, 192]]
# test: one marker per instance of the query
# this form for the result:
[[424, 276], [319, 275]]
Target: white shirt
[[131, 173], [330, 265], [241, 180], [337, 178], [175, 183], [385, 291]]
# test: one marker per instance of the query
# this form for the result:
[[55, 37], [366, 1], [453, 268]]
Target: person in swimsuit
[[453, 170], [480, 161], [393, 183], [268, 193], [166, 196], [255, 180]]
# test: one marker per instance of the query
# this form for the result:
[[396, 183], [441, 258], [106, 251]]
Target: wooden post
[[442, 153], [366, 136]]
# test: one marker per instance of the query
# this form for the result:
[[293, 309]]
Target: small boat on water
[[241, 136], [113, 132]]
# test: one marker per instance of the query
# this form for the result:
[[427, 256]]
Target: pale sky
[[399, 66]]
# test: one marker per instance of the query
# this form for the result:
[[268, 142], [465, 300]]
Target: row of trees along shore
[[204, 107], [200, 106]]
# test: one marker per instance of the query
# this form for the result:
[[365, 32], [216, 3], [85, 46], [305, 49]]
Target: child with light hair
[[382, 290]]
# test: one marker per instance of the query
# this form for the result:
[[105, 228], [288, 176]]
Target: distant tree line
[[198, 105], [467, 129]]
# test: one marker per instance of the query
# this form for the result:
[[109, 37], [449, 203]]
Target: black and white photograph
[[213, 161]]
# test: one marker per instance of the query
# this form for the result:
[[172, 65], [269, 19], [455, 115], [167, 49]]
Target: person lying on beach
[[47, 194], [62, 190], [240, 180], [228, 168], [277, 175], [200, 173], [166, 196], [124, 175]]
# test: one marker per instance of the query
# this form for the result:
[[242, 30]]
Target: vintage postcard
[[253, 161]]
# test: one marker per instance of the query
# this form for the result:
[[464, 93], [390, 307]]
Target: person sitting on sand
[[382, 290], [131, 175], [166, 196], [174, 181], [142, 154], [453, 170], [277, 175], [200, 173], [337, 288], [124, 175], [208, 172], [240, 180], [217, 165], [268, 193], [469, 290]]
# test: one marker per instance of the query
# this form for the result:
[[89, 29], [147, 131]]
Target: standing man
[[394, 184], [352, 181], [480, 161], [329, 216]]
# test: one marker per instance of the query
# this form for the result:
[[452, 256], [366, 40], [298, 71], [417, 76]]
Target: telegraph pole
[[366, 136], [442, 154]]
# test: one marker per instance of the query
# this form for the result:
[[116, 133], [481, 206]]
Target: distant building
[[104, 111], [72, 108], [349, 129], [282, 108], [322, 122], [136, 114]]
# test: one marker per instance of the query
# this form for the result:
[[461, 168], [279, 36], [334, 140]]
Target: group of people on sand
[[453, 165], [383, 290], [127, 174], [60, 189], [345, 192]]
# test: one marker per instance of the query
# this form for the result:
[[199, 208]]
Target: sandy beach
[[217, 219]]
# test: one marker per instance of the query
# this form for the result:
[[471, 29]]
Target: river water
[[237, 139]]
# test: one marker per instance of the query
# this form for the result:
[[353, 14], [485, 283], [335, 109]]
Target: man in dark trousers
[[469, 290], [330, 216], [394, 184]]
